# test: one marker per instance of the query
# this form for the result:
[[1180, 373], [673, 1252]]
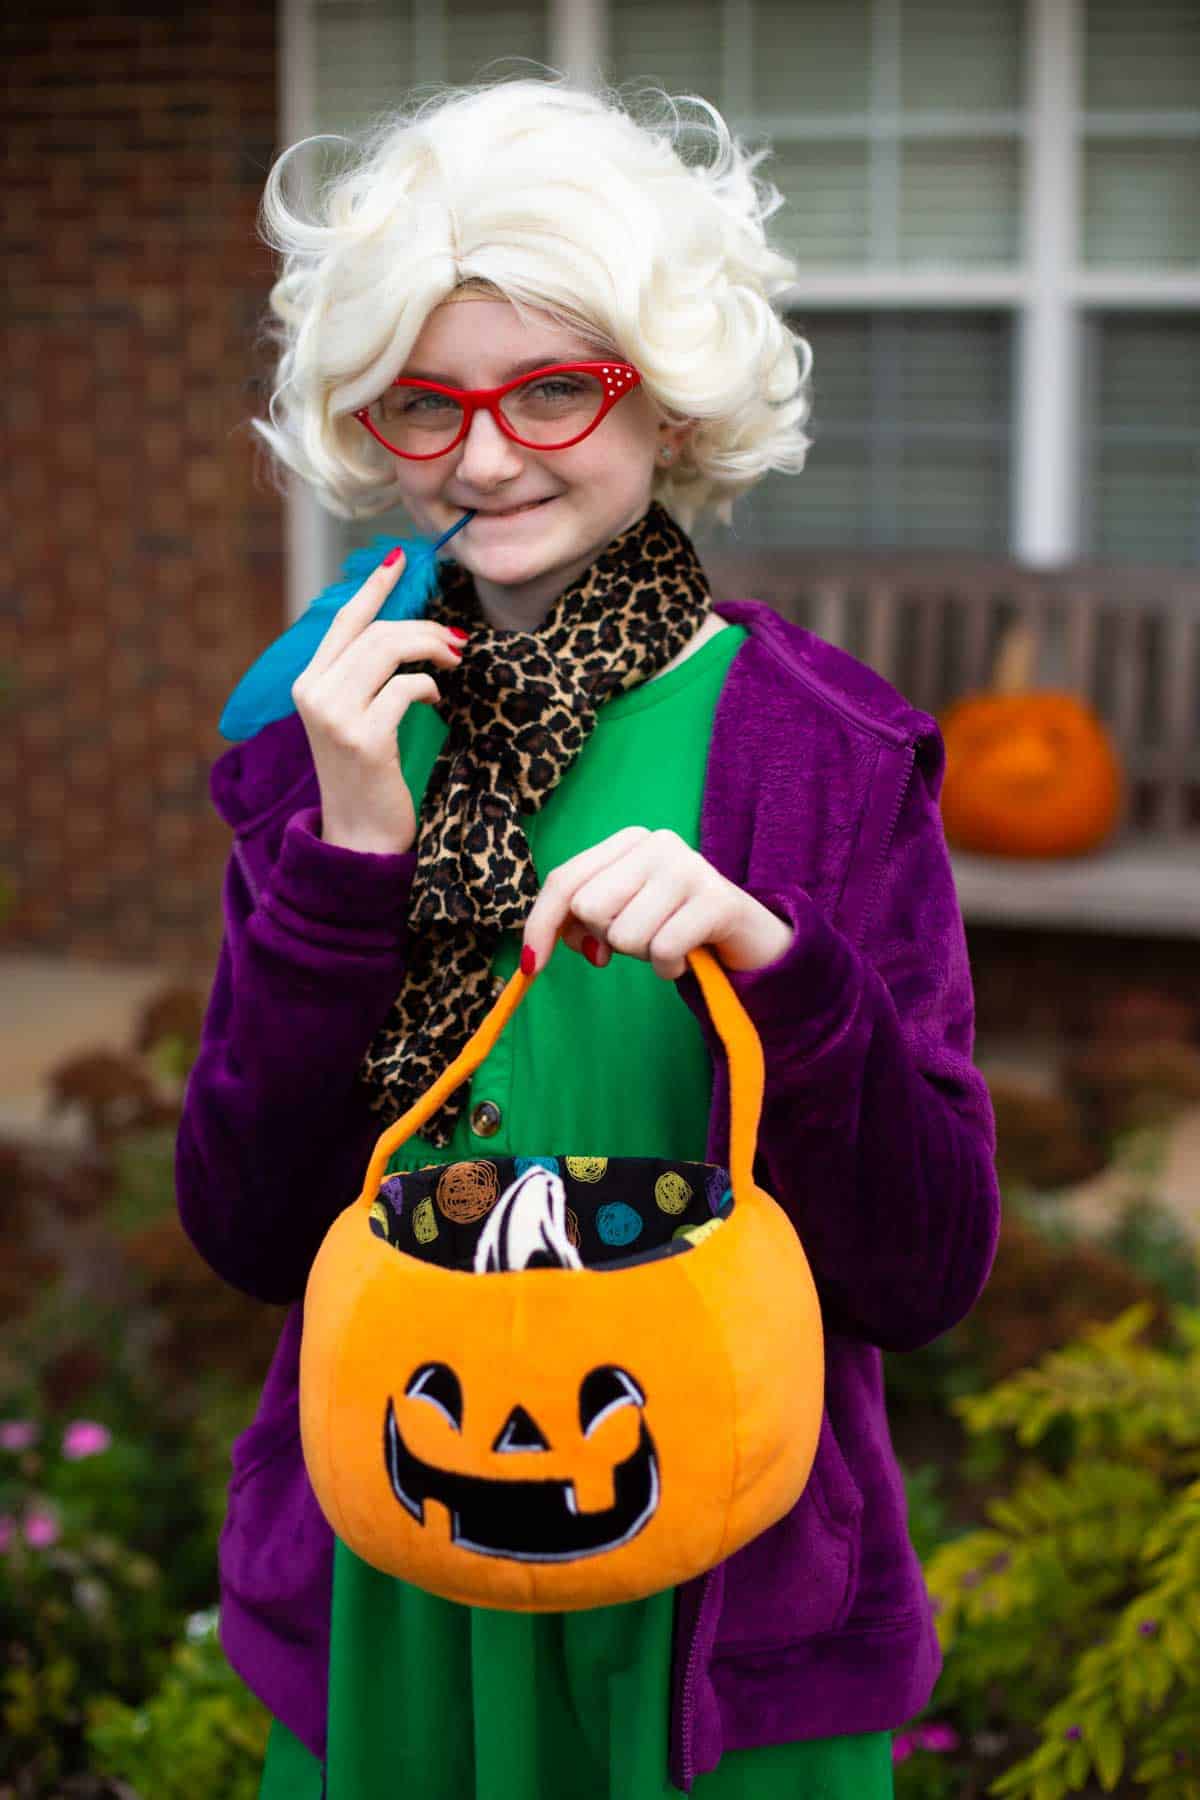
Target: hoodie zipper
[[687, 1698], [864, 919], [243, 863]]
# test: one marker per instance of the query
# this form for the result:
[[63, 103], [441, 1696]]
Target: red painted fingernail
[[393, 556], [591, 949], [528, 961], [454, 650], [455, 632]]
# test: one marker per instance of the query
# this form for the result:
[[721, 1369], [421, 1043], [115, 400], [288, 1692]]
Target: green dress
[[447, 1702]]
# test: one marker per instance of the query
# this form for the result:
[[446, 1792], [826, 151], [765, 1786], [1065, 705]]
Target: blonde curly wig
[[642, 225]]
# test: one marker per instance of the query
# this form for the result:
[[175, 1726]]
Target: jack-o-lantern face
[[520, 1513], [1028, 775]]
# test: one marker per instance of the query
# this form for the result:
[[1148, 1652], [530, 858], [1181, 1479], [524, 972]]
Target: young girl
[[522, 302]]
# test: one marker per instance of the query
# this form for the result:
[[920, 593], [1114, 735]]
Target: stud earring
[[665, 453]]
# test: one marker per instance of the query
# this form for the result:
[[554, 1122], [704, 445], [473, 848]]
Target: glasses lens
[[554, 407], [415, 421]]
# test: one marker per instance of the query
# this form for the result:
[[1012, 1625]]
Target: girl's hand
[[351, 701], [649, 895]]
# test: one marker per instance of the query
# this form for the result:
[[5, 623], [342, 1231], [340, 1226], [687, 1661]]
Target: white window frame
[[1048, 295]]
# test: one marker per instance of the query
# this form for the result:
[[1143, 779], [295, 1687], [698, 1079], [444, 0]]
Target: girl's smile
[[490, 514]]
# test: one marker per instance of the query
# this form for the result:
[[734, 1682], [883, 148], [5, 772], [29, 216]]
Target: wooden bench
[[1128, 639]]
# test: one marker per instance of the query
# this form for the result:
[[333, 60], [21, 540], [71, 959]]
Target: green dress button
[[486, 1119]]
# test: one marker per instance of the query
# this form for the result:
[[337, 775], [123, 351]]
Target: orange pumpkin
[[1028, 773], [552, 1438]]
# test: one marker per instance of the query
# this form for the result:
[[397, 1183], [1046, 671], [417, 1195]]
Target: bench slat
[[1147, 886]]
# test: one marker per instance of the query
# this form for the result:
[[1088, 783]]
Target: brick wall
[[142, 549]]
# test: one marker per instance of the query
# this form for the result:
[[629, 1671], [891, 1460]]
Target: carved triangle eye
[[520, 1432], [437, 1383], [602, 1393]]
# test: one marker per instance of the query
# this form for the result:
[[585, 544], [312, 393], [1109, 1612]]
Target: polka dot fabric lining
[[620, 1210]]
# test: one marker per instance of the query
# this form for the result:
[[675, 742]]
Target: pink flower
[[938, 1737], [17, 1434], [902, 1747], [8, 1532], [41, 1528], [83, 1437]]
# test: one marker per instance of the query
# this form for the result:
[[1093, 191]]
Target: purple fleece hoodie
[[877, 1137]]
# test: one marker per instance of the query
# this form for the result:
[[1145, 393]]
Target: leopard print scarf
[[519, 709]]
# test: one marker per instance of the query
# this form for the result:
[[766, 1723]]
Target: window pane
[[843, 387], [1143, 58], [811, 60], [828, 505], [362, 50], [1144, 486], [956, 58], [952, 499], [959, 203], [910, 430], [950, 369], [1145, 505], [368, 54], [1148, 374], [675, 43], [483, 41], [826, 219], [1140, 203]]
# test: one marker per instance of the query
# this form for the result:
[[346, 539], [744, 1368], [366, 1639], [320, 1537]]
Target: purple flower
[[1073, 1733], [902, 1747], [8, 1533], [1148, 1628], [938, 1737], [83, 1437], [41, 1528], [17, 1434]]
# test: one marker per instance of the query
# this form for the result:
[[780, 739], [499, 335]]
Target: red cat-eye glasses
[[550, 409]]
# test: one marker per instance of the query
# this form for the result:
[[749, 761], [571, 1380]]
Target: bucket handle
[[729, 1016]]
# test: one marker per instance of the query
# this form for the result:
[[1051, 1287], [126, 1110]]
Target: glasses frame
[[472, 400]]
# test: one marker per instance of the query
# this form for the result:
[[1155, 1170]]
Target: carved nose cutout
[[519, 1432]]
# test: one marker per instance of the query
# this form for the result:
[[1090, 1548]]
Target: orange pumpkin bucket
[[502, 1405]]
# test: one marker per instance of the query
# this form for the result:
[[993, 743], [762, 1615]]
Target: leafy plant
[[1152, 1240], [108, 1528], [202, 1732], [929, 1521], [1079, 1602], [81, 1609]]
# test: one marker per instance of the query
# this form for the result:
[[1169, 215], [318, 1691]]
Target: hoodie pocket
[[800, 1576], [260, 1441]]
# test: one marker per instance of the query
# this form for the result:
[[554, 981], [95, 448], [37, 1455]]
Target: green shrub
[[929, 1521], [1076, 1611], [202, 1733], [107, 1543], [80, 1613]]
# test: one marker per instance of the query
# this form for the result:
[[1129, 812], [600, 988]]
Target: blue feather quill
[[264, 693]]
